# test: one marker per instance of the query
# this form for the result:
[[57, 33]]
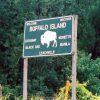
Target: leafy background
[[48, 75]]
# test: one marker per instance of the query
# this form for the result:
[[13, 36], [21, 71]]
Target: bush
[[89, 72], [11, 93], [81, 93]]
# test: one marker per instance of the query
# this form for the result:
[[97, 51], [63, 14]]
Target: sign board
[[48, 37]]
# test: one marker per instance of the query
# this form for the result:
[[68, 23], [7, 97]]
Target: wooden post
[[0, 92], [74, 57], [25, 72]]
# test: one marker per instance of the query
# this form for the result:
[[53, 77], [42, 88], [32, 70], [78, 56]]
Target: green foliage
[[84, 94], [89, 71], [10, 93], [47, 75], [94, 18], [81, 92]]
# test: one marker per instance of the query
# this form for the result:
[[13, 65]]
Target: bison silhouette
[[48, 37]]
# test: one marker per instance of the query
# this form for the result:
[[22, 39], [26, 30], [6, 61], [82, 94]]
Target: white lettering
[[29, 47], [46, 52], [37, 46], [30, 40], [64, 37], [31, 23], [65, 19], [38, 28], [64, 44], [59, 25]]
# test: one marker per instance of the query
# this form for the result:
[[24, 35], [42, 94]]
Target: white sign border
[[71, 16]]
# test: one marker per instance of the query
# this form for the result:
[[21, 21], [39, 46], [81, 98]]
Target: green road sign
[[48, 37]]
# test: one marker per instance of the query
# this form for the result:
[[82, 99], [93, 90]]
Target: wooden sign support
[[72, 22], [74, 57], [25, 75]]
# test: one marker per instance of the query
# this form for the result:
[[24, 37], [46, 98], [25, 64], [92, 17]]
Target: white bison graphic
[[48, 37]]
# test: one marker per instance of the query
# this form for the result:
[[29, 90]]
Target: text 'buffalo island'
[[47, 37], [46, 27]]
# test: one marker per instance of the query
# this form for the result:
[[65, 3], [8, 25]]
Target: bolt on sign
[[48, 37]]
